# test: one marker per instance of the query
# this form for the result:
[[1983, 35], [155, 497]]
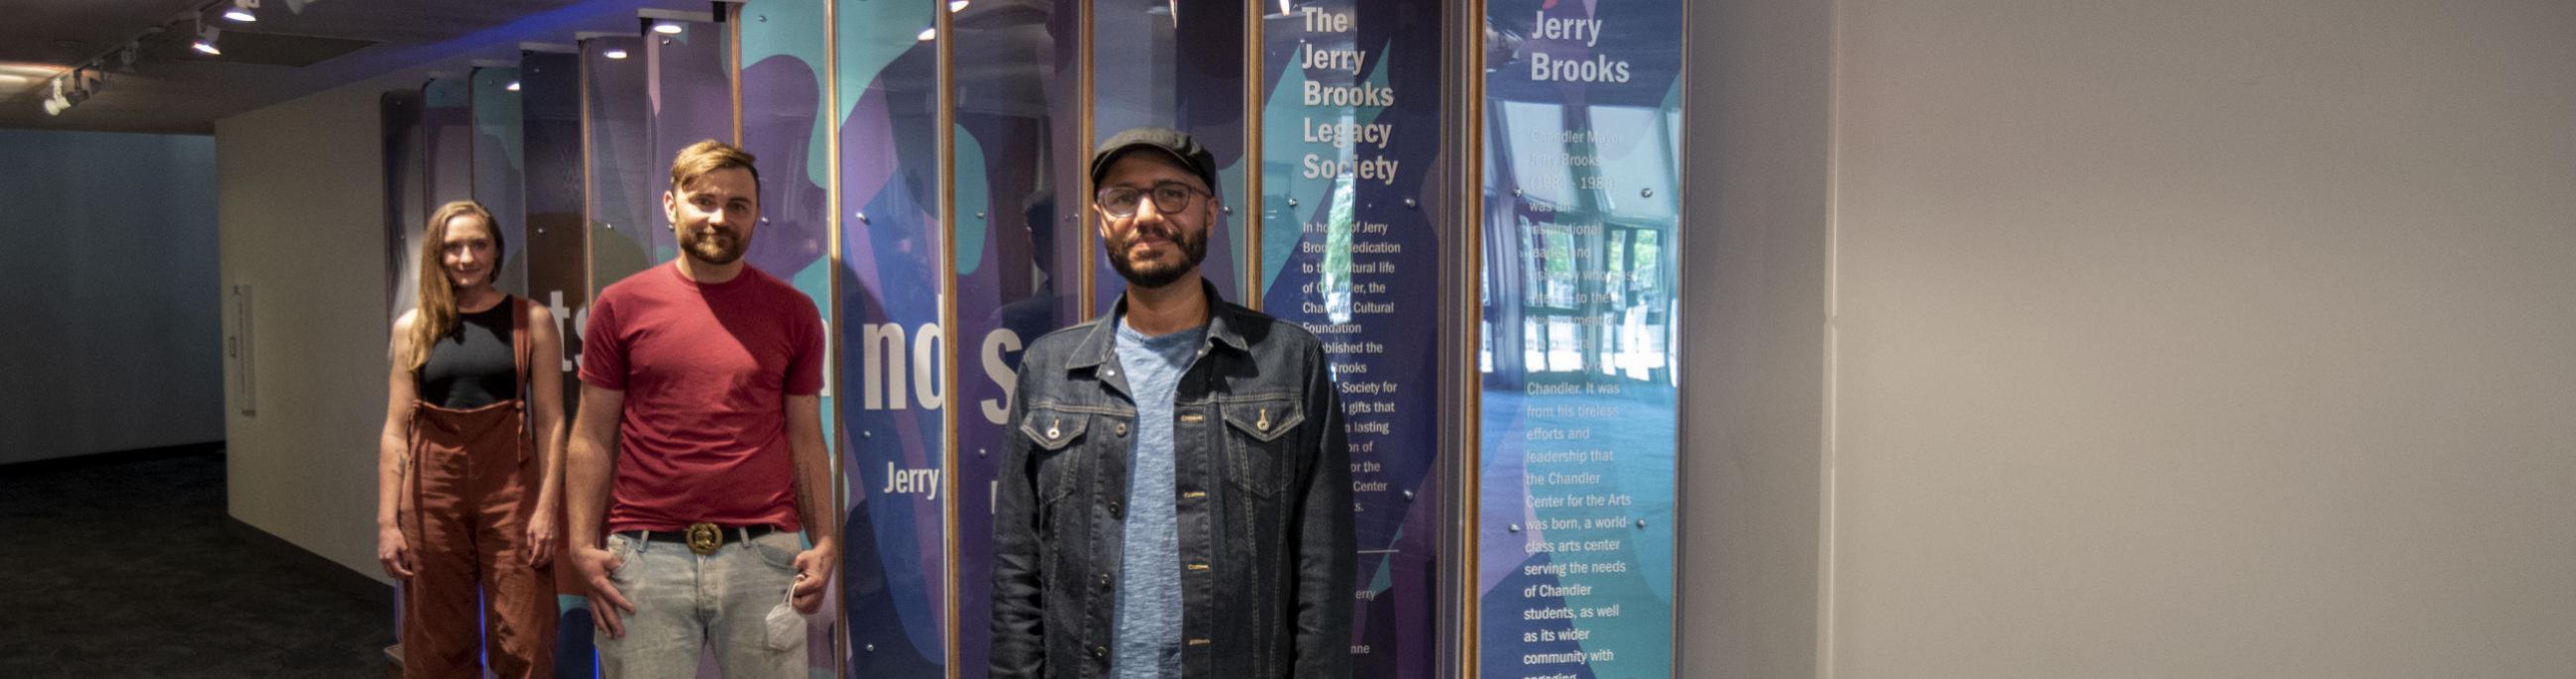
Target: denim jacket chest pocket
[[1052, 436], [1259, 453]]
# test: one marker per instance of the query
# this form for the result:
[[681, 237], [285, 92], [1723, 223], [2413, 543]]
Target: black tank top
[[473, 366]]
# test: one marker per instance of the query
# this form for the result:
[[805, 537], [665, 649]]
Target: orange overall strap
[[520, 344]]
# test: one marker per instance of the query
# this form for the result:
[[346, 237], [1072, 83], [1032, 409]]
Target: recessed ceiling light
[[614, 53], [668, 27], [513, 86], [927, 34], [955, 6], [241, 10]]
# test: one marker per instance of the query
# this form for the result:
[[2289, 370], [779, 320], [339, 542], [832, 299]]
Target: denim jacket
[[1263, 469]]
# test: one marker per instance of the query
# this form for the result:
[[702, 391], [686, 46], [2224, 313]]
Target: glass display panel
[[1574, 573], [1350, 250]]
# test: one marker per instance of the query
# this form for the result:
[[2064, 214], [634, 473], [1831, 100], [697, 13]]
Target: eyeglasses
[[1169, 197]]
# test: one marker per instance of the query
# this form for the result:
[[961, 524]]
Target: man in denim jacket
[[1175, 497]]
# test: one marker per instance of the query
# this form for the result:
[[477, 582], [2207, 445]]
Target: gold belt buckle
[[704, 538]]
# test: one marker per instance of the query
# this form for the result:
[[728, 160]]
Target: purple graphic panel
[[1350, 250], [1176, 65], [893, 550], [1018, 246]]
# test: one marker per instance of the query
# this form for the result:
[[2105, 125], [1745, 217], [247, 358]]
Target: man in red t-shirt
[[704, 375]]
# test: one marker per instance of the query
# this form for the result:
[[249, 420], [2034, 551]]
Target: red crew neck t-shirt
[[706, 369]]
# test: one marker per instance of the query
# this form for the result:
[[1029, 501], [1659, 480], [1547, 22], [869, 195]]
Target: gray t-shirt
[[1149, 585]]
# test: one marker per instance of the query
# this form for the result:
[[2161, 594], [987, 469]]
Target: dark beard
[[704, 248], [1193, 249]]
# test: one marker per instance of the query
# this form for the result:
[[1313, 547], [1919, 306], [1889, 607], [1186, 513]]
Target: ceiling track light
[[55, 103], [669, 27], [241, 10], [90, 76], [70, 89], [206, 35]]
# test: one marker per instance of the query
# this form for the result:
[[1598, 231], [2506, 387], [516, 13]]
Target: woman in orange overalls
[[467, 497]]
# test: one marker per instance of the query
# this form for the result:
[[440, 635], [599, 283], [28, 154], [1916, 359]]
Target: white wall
[[302, 211], [1753, 352], [112, 336], [2203, 338]]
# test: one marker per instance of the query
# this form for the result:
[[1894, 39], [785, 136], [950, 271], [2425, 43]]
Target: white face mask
[[786, 626]]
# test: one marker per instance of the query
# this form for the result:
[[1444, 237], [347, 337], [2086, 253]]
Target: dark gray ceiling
[[337, 42]]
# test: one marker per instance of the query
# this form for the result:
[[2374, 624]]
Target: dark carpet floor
[[127, 566]]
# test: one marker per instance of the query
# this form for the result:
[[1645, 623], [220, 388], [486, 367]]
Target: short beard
[[1194, 251], [704, 248]]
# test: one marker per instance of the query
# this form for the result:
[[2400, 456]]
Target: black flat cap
[[1174, 143]]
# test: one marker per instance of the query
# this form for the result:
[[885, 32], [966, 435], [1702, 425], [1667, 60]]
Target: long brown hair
[[437, 311]]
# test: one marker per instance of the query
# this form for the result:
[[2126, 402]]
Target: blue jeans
[[685, 602]]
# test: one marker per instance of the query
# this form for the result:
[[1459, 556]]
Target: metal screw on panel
[[872, 648], [979, 452], [1516, 192], [764, 221], [866, 434], [1408, 495], [1514, 528], [1641, 523], [861, 216], [979, 214], [1292, 202], [1408, 203], [1648, 192]]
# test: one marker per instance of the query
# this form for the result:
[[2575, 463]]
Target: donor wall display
[[1474, 208]]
